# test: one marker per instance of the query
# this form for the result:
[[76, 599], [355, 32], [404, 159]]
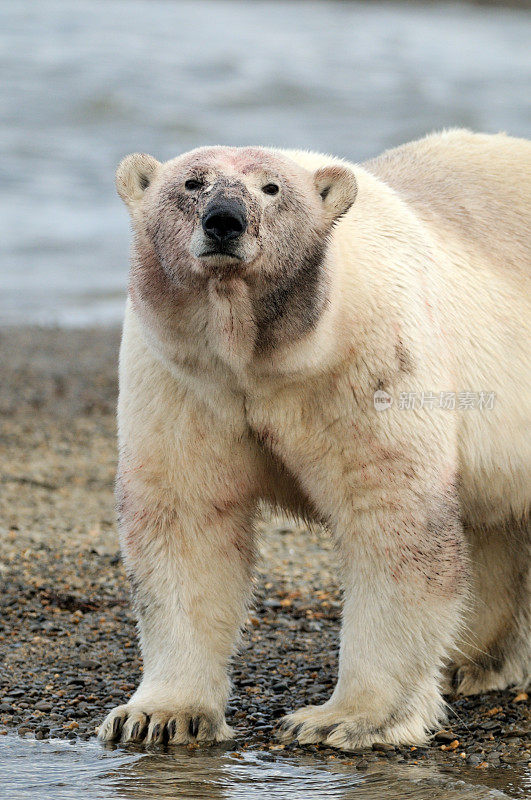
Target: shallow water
[[85, 82], [58, 770]]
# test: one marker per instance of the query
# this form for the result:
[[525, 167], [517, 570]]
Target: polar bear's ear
[[338, 189], [133, 176]]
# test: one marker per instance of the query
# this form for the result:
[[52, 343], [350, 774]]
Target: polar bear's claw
[[132, 724]]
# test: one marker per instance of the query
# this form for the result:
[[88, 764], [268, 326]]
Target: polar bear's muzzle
[[224, 238]]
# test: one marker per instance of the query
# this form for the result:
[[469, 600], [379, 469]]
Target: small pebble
[[383, 747]]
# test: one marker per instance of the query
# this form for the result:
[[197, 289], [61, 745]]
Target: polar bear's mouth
[[221, 264], [222, 255]]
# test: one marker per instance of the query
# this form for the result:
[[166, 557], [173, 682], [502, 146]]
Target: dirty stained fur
[[248, 369]]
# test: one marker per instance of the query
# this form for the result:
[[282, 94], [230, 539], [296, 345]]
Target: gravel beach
[[67, 634]]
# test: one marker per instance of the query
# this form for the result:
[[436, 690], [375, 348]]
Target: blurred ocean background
[[86, 82]]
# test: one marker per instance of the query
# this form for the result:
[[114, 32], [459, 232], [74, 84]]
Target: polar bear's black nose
[[223, 221]]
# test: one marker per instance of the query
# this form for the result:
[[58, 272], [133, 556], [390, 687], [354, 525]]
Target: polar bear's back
[[473, 188]]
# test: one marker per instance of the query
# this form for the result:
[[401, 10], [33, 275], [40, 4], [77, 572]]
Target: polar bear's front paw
[[336, 727], [141, 724]]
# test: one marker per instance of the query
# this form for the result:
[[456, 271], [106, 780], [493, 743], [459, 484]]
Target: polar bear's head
[[220, 213]]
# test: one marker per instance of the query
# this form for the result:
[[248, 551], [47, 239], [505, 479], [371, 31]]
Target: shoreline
[[67, 633]]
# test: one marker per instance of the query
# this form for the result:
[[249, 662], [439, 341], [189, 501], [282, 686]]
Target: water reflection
[[62, 771]]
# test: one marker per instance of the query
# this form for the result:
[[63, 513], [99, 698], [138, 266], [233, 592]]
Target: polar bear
[[349, 343]]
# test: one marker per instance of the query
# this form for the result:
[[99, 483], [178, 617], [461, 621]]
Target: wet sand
[[67, 634]]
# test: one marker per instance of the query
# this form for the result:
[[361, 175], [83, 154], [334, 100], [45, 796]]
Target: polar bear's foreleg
[[404, 577], [190, 572]]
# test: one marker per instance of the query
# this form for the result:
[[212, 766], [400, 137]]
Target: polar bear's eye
[[193, 184], [270, 188]]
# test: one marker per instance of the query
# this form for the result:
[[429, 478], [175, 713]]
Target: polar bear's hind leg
[[495, 651]]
